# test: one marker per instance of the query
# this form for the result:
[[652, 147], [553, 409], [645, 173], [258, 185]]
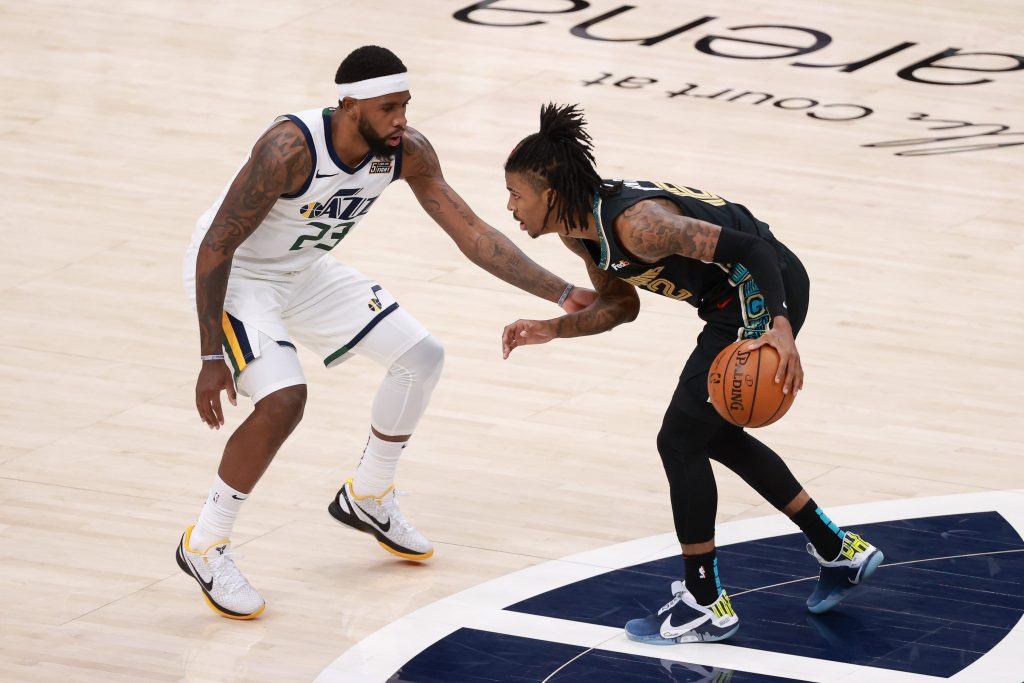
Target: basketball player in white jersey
[[263, 281]]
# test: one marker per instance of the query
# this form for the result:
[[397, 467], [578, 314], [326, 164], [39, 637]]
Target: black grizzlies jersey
[[677, 277]]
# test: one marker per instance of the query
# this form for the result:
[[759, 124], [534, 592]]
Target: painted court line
[[381, 654]]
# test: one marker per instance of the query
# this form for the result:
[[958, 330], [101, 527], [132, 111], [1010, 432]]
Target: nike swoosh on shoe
[[669, 630], [208, 585], [383, 527]]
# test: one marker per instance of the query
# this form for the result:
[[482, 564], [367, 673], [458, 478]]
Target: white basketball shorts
[[329, 308]]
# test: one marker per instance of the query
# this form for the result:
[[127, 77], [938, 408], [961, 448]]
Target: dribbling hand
[[780, 337], [214, 377]]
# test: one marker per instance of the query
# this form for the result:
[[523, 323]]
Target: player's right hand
[[214, 377], [790, 370]]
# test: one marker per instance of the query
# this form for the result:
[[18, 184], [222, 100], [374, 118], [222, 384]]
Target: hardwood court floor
[[119, 125]]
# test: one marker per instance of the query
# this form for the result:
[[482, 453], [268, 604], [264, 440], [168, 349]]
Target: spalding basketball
[[741, 385]]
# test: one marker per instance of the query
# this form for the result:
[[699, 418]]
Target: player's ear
[[549, 197], [349, 106]]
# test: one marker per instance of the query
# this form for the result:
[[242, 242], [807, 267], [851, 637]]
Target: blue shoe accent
[[682, 620], [857, 561]]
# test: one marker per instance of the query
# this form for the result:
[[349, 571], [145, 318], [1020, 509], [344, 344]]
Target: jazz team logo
[[311, 210], [374, 303], [345, 204]]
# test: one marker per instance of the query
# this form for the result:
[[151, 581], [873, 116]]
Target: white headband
[[374, 87]]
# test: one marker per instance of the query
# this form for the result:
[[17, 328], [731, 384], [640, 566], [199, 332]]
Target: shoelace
[[223, 566], [840, 561], [672, 603]]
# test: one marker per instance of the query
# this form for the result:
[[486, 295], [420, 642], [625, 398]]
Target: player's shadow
[[844, 636]]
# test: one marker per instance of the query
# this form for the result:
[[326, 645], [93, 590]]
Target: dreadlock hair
[[559, 156], [369, 61]]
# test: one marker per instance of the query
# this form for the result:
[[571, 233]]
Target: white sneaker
[[225, 589], [380, 516], [683, 620]]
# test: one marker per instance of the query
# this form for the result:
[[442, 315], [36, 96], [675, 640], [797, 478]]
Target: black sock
[[822, 532], [702, 577]]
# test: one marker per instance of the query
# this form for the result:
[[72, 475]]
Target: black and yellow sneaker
[[380, 516], [225, 590]]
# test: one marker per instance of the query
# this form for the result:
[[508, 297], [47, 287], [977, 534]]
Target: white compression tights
[[405, 392], [400, 402]]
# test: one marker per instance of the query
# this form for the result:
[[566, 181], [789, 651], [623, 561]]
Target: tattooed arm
[[279, 164], [616, 303], [482, 244], [655, 229]]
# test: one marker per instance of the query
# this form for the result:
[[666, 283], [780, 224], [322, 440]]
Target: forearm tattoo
[[482, 244], [617, 301], [599, 317], [495, 253], [455, 203], [651, 233]]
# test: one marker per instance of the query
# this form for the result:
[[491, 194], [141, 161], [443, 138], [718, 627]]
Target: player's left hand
[[780, 337], [578, 299], [524, 332]]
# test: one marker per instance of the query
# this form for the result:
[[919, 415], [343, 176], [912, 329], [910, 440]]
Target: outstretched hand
[[525, 332], [578, 299], [780, 337], [214, 377]]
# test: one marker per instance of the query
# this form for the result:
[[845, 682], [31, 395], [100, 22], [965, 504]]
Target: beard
[[378, 145]]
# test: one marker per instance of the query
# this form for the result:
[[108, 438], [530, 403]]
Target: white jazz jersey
[[302, 227]]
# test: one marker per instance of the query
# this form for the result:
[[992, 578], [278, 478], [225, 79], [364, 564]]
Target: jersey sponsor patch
[[381, 166]]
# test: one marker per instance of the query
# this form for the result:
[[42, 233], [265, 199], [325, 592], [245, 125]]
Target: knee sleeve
[[405, 392]]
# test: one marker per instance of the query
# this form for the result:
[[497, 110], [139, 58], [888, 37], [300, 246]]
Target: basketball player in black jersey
[[695, 247]]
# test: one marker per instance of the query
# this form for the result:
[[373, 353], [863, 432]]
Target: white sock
[[375, 473], [217, 518]]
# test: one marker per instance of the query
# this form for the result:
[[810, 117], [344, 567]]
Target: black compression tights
[[686, 444]]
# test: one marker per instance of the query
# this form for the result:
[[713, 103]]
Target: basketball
[[741, 385]]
